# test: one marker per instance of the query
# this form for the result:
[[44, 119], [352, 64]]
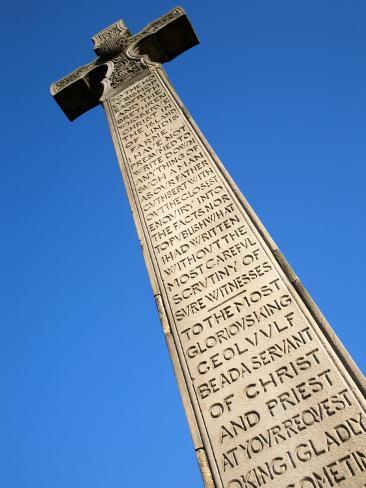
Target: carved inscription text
[[274, 404]]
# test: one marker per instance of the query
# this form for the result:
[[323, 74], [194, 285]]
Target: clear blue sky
[[88, 396]]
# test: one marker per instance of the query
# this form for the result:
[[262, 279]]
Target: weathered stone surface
[[273, 402], [271, 397]]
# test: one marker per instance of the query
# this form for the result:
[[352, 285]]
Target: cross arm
[[80, 90], [166, 38]]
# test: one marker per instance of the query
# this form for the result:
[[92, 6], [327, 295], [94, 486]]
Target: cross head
[[120, 56]]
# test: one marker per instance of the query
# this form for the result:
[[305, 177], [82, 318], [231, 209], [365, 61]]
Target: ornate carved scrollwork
[[111, 41]]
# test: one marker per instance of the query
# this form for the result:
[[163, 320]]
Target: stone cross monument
[[271, 396]]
